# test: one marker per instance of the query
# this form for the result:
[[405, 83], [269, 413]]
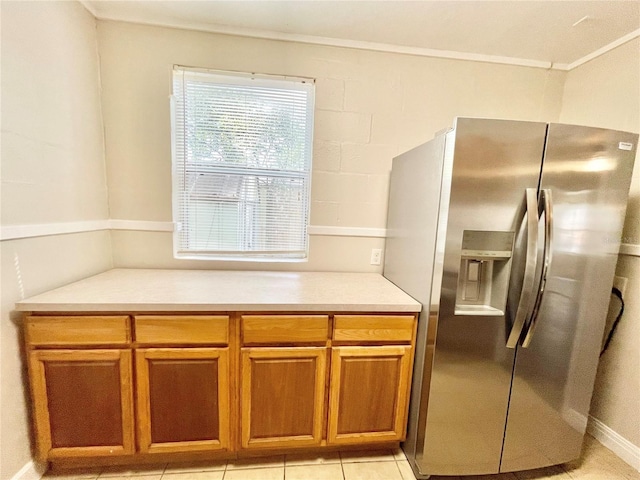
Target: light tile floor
[[596, 463]]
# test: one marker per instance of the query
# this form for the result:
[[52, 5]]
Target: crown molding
[[358, 44], [607, 48], [336, 42], [89, 7]]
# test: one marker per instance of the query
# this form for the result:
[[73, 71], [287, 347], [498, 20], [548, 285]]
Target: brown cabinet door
[[83, 402], [369, 390], [182, 399], [283, 396]]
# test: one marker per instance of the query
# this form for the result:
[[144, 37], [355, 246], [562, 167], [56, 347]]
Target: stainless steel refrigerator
[[507, 232]]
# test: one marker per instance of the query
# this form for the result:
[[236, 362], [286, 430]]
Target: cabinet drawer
[[81, 330], [373, 328], [181, 329], [268, 329]]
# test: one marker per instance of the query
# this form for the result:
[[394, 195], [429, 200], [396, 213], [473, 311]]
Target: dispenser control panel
[[486, 244]]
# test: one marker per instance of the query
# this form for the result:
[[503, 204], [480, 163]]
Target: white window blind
[[241, 165]]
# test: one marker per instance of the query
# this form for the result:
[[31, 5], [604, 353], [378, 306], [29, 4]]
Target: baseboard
[[31, 471], [619, 445], [577, 420]]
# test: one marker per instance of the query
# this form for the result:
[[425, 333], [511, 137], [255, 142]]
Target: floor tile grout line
[[399, 471]]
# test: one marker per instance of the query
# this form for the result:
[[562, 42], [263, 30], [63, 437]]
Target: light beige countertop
[[141, 290]]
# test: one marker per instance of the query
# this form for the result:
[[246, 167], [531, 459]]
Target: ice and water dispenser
[[483, 280]]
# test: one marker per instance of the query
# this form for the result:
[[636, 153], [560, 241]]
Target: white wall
[[370, 106], [605, 92], [52, 171]]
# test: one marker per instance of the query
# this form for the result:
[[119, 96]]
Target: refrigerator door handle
[[528, 282], [547, 207]]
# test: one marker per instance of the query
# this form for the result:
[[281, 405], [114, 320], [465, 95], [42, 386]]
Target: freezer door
[[587, 172], [467, 371]]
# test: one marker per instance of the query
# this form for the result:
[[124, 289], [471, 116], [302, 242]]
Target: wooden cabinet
[[80, 370], [283, 388], [183, 394], [285, 329], [368, 394], [77, 331], [213, 384], [373, 329], [282, 396], [182, 399], [371, 364], [83, 402], [174, 330]]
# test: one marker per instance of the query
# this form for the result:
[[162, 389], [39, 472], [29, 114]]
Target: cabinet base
[[149, 460]]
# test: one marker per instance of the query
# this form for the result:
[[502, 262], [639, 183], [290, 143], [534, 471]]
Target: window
[[241, 165]]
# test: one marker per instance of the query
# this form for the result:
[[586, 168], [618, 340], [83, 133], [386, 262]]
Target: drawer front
[[80, 330], [373, 328], [181, 329], [270, 329]]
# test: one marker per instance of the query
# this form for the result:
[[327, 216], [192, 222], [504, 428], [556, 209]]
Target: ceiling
[[539, 33]]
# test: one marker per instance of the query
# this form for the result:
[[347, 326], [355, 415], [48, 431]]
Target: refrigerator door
[[587, 172], [483, 191]]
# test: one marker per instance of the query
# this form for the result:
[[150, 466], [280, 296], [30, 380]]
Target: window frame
[[179, 165]]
